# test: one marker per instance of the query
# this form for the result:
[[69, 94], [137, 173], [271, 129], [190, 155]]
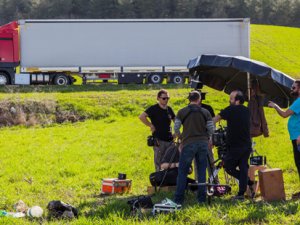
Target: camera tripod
[[214, 188], [215, 167]]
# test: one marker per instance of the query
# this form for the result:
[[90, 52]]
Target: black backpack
[[167, 178], [164, 177], [59, 209]]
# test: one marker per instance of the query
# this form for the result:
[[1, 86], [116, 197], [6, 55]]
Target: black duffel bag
[[164, 177]]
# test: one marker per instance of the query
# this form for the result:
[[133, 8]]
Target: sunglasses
[[165, 98]]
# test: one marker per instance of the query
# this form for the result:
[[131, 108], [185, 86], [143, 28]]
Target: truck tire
[[155, 79], [61, 79], [4, 79], [177, 79]]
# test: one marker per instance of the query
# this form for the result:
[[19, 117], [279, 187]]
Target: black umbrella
[[229, 73]]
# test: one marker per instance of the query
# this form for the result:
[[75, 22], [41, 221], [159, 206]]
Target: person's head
[[163, 97], [295, 89], [194, 97], [236, 98]]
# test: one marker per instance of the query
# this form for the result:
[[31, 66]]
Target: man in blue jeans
[[197, 130]]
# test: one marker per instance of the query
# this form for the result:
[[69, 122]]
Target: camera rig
[[219, 139]]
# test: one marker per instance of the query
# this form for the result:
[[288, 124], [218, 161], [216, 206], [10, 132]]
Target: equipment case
[[114, 185]]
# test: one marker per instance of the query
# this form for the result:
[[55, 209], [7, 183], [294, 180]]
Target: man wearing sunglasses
[[293, 124], [160, 116]]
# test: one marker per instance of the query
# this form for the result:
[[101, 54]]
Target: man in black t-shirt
[[238, 141], [160, 116]]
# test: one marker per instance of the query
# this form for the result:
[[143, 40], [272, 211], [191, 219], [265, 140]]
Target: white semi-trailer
[[126, 50]]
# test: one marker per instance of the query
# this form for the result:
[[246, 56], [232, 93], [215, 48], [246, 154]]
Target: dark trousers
[[238, 157], [296, 156], [197, 150]]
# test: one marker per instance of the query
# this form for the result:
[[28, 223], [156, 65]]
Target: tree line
[[275, 12]]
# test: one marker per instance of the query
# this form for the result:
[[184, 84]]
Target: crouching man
[[197, 129]]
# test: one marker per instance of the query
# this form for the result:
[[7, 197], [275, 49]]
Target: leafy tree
[[295, 12], [280, 12], [104, 9], [238, 8], [267, 10], [126, 9], [254, 9], [14, 9], [210, 9], [54, 9], [169, 9], [186, 8], [80, 9]]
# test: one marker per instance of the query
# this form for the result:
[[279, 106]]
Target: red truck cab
[[9, 52]]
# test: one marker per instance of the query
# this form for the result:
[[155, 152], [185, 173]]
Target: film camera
[[219, 140]]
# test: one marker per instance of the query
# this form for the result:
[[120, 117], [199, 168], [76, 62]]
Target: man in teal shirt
[[293, 124]]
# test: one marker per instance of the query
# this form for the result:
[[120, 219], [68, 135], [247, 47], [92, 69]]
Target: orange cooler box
[[114, 185]]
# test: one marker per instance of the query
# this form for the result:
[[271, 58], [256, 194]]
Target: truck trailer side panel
[[129, 43]]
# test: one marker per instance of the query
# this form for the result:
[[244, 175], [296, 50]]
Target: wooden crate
[[271, 184], [252, 172]]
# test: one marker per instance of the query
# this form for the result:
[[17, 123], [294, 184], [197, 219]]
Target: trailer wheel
[[155, 79], [4, 79], [177, 79], [61, 79]]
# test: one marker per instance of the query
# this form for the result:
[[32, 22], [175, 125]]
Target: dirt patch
[[33, 112]]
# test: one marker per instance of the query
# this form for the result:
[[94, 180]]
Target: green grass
[[67, 161], [277, 46]]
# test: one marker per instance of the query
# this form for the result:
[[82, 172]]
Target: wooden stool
[[252, 172], [271, 184]]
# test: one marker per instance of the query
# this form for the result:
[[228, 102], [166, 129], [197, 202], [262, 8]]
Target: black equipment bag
[[167, 178], [164, 178], [141, 202], [59, 209]]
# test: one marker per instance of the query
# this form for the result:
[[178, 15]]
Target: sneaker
[[238, 198]]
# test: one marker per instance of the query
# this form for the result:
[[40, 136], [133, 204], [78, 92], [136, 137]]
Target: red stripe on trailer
[[104, 75]]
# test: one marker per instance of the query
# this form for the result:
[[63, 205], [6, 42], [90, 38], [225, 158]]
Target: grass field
[[277, 46], [67, 161]]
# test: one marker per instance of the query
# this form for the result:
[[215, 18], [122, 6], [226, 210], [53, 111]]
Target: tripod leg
[[212, 171]]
